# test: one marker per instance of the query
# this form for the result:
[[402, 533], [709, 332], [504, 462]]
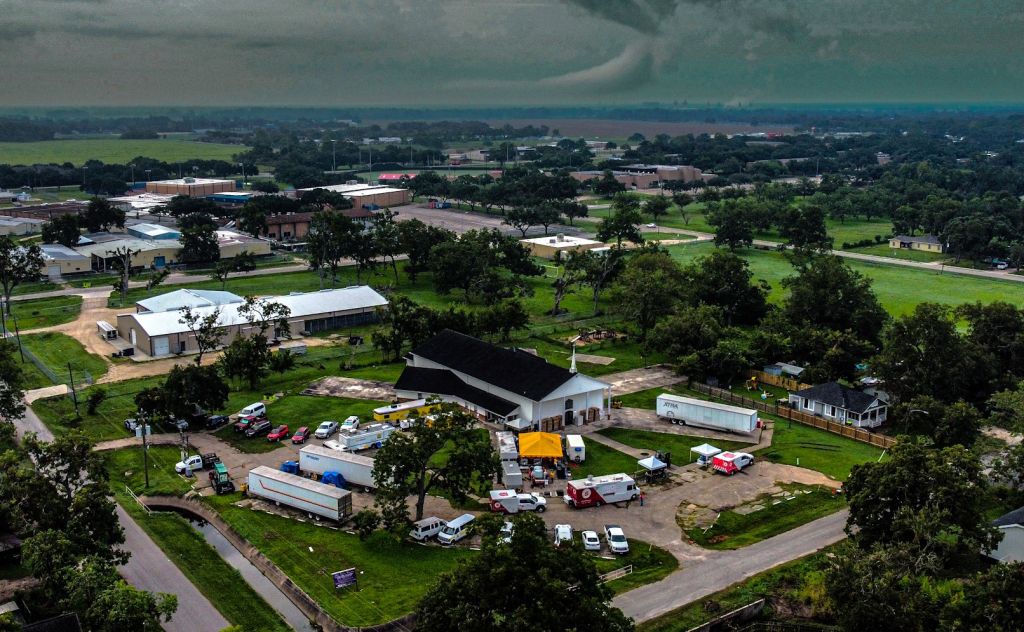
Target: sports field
[[112, 150]]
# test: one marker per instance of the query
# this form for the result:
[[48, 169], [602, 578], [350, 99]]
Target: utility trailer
[[507, 448], [354, 468], [299, 493], [372, 436], [703, 414]]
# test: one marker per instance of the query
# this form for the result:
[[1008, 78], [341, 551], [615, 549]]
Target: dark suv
[[216, 421], [258, 428]]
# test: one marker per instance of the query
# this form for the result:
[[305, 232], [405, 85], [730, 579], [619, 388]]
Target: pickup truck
[[616, 538], [196, 462]]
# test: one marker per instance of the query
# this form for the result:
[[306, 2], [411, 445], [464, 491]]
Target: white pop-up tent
[[704, 452], [652, 464]]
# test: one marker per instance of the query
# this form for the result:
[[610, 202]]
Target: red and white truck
[[731, 462], [594, 491]]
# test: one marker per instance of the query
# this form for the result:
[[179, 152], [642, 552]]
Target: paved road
[[723, 569], [148, 568]]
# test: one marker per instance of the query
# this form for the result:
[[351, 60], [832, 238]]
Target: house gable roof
[[835, 394], [1015, 517], [513, 370], [444, 382]]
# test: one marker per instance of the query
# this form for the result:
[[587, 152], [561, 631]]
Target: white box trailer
[[511, 475], [364, 438], [575, 449], [355, 468], [300, 493], [507, 448], [697, 412]]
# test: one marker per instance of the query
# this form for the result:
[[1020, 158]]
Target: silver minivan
[[426, 528], [456, 529]]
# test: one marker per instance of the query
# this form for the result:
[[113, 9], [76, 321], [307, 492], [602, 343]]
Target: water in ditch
[[263, 586]]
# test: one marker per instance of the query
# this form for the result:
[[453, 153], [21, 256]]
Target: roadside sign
[[344, 578]]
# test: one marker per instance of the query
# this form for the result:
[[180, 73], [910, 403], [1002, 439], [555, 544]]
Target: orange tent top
[[540, 445]]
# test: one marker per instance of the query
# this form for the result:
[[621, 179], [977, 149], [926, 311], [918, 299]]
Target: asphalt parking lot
[[462, 221]]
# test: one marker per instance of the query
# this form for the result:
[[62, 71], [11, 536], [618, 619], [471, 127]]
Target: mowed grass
[[43, 312], [898, 288], [113, 150], [603, 460], [392, 577], [56, 351], [650, 564], [556, 349], [734, 530], [678, 445], [815, 449], [126, 468]]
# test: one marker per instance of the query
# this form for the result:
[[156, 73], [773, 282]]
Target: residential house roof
[[513, 370], [919, 239], [1014, 517], [835, 394], [444, 382]]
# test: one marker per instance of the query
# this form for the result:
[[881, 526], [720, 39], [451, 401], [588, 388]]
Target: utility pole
[[145, 448], [17, 334], [74, 393]]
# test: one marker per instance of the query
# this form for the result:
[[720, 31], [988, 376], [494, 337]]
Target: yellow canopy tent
[[540, 445]]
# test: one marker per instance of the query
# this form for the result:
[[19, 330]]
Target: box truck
[[507, 448], [594, 491], [300, 493], [372, 436], [575, 449], [354, 468], [697, 412]]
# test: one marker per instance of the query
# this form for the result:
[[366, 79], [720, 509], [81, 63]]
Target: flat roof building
[[141, 202], [59, 260], [155, 232], [367, 195], [549, 246], [192, 187], [162, 333]]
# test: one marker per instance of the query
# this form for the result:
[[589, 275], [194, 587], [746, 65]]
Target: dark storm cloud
[[508, 51]]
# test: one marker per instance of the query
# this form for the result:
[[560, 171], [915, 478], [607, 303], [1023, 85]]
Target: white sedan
[[563, 534], [591, 542]]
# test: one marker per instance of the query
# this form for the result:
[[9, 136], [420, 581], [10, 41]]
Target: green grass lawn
[[678, 445], [32, 288], [126, 467], [883, 250], [55, 351], [296, 411], [555, 348], [58, 413], [786, 581], [830, 454], [603, 460], [898, 288], [734, 530], [393, 577], [113, 150], [656, 236], [650, 563], [44, 312]]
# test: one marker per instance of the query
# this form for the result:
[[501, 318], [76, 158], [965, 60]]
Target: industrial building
[[20, 225], [508, 386], [295, 226], [160, 247], [154, 232], [139, 203], [548, 247], [192, 187], [173, 301], [647, 176], [159, 333], [59, 260], [368, 196]]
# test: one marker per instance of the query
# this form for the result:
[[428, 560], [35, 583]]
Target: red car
[[278, 433], [300, 435]]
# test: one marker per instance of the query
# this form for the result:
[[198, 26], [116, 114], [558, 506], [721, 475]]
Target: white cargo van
[[259, 409], [426, 528], [456, 529]]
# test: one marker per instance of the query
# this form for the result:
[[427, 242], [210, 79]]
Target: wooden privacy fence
[[787, 383], [857, 434]]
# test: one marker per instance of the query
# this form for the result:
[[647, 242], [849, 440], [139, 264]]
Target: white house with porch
[[509, 386]]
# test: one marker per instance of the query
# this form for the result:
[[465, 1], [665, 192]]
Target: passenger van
[[426, 528], [456, 529], [259, 409]]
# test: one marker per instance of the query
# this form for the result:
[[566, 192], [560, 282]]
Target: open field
[[603, 460], [830, 454], [112, 150], [44, 312], [676, 444], [393, 577], [735, 530], [898, 288], [56, 351]]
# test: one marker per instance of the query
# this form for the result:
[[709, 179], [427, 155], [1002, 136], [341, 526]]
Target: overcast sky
[[518, 52]]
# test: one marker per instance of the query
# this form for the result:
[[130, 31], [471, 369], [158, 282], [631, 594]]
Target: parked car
[[300, 435], [563, 534], [245, 422], [326, 429], [130, 425], [259, 427], [216, 421], [590, 541], [279, 433], [257, 409], [1001, 265], [616, 538], [350, 423], [651, 225]]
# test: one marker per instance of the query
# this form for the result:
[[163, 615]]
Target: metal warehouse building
[[162, 333], [192, 187]]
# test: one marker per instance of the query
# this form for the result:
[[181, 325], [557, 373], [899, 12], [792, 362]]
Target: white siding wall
[[1011, 547]]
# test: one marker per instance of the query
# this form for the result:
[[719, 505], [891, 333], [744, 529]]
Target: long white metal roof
[[357, 297]]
